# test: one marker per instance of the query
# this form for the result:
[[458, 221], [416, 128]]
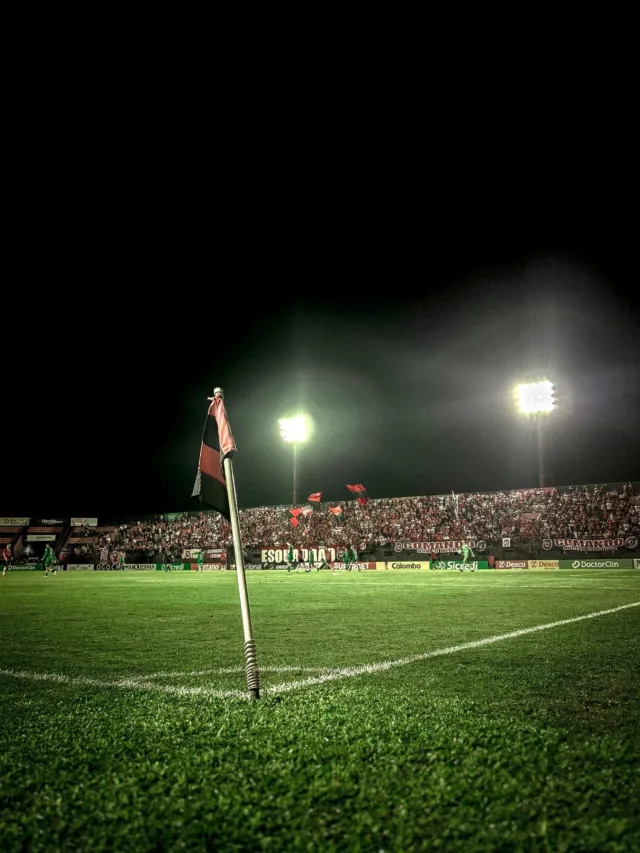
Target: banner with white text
[[450, 546]]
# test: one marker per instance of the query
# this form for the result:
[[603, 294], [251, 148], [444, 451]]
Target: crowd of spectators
[[533, 514]]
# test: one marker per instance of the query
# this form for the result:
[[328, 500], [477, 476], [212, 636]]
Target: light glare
[[294, 430], [535, 398]]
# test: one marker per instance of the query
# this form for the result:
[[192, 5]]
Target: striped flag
[[359, 489], [337, 512], [217, 443]]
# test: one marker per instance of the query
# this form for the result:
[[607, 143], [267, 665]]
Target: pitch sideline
[[287, 687]]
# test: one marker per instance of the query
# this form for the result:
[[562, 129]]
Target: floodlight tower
[[294, 431], [537, 401]]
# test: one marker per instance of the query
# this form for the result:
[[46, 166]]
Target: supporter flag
[[217, 444], [292, 515], [359, 489], [337, 512], [306, 511], [316, 497]]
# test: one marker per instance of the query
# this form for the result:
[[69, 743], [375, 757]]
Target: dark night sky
[[402, 335]]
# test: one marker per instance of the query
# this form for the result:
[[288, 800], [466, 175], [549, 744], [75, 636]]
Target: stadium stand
[[607, 510], [8, 535]]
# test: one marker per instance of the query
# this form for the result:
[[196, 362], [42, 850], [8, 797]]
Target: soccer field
[[396, 715]]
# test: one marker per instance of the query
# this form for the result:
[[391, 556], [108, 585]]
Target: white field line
[[127, 684], [353, 671], [288, 687], [228, 670]]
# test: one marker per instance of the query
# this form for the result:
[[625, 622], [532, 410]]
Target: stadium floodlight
[[294, 431], [535, 398]]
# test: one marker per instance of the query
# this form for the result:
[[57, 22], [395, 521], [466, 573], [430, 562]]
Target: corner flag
[[218, 490], [217, 445]]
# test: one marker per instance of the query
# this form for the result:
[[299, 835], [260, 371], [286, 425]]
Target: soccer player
[[466, 551], [200, 560], [7, 558], [290, 558], [49, 559], [346, 558], [121, 562]]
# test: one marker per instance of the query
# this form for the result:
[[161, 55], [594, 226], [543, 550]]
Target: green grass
[[531, 743]]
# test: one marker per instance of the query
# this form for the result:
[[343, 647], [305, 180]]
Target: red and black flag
[[292, 515], [316, 497], [217, 443], [359, 489], [337, 512]]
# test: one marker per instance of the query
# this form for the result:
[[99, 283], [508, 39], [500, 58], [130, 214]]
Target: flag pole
[[250, 654]]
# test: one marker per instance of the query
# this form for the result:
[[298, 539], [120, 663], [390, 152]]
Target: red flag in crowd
[[359, 489], [316, 497], [336, 511], [293, 514], [217, 443]]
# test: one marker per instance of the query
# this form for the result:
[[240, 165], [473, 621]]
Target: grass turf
[[531, 743]]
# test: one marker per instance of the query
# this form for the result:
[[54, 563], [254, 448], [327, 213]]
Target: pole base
[[254, 695]]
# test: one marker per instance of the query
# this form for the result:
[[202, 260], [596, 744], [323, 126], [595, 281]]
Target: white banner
[[506, 542], [51, 521], [41, 537], [390, 564], [140, 567], [79, 567], [14, 522], [82, 522]]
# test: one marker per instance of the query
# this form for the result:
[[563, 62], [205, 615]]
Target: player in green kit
[[121, 562], [466, 551], [49, 560], [200, 560]]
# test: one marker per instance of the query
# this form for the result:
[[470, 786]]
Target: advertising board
[[597, 563], [28, 567]]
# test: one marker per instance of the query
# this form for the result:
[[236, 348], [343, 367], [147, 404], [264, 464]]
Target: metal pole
[[250, 655], [541, 471], [295, 473]]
